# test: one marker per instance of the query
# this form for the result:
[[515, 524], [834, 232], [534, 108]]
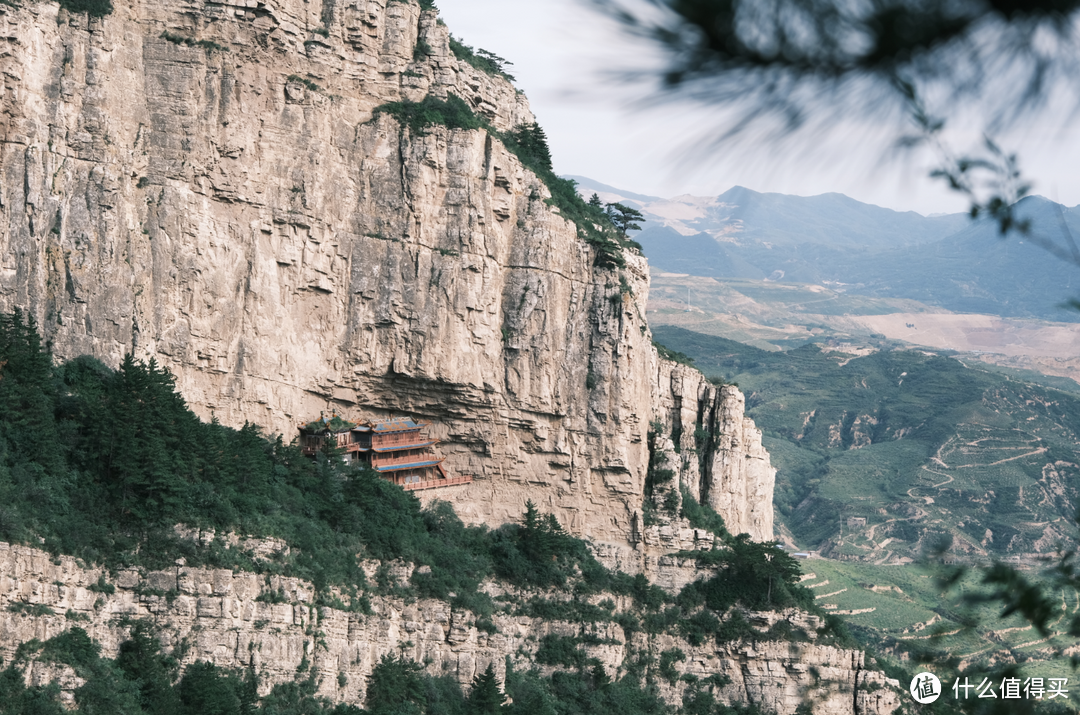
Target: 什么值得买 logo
[[925, 688]]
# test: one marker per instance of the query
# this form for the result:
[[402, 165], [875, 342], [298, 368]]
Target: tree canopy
[[778, 56]]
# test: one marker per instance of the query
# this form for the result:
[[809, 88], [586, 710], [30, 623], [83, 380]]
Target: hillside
[[881, 454], [314, 207], [883, 458], [183, 566], [236, 215]]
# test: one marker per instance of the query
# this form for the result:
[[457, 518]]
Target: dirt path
[[1040, 450], [948, 478], [928, 500]]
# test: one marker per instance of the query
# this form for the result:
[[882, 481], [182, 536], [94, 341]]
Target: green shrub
[[673, 355], [421, 51], [702, 516], [73, 647], [666, 667], [307, 83], [700, 627], [560, 650], [453, 113], [272, 596], [30, 609], [482, 60], [190, 42], [94, 8]]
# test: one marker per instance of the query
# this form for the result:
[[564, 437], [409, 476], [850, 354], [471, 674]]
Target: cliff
[[209, 185], [213, 615]]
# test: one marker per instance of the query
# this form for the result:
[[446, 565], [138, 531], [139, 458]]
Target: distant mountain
[[597, 187], [831, 239], [976, 270]]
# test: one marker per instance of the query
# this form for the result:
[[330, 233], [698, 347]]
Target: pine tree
[[624, 218], [395, 687], [532, 144], [141, 660], [27, 425], [486, 698], [207, 690]]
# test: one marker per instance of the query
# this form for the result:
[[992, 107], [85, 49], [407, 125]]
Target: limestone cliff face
[[215, 614], [719, 456], [207, 184]]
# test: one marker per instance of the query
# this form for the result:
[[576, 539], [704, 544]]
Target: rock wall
[[207, 184], [216, 615], [701, 435]]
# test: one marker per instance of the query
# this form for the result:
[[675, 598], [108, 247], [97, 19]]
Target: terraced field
[[904, 607]]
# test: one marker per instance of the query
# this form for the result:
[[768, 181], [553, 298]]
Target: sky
[[566, 58]]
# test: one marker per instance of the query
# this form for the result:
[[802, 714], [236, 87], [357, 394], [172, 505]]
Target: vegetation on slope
[[95, 8], [603, 226], [143, 680], [102, 463], [929, 453], [452, 113], [481, 59]]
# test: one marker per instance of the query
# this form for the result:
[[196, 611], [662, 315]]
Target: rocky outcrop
[[209, 185], [215, 615], [714, 452], [718, 456]]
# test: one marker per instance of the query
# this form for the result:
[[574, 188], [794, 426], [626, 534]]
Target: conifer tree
[[26, 395], [624, 218], [141, 661], [486, 698], [395, 687]]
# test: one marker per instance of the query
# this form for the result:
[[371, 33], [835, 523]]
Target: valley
[[778, 315]]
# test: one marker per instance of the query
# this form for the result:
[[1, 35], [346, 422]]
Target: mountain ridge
[[830, 239]]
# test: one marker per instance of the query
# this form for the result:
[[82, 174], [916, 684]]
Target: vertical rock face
[[715, 449], [208, 185]]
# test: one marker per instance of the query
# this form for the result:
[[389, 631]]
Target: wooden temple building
[[396, 448]]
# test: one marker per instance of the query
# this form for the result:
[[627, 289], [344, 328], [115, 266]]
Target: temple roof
[[398, 424], [335, 424], [413, 465]]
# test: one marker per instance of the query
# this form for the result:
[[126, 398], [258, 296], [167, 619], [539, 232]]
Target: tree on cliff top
[[624, 218]]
